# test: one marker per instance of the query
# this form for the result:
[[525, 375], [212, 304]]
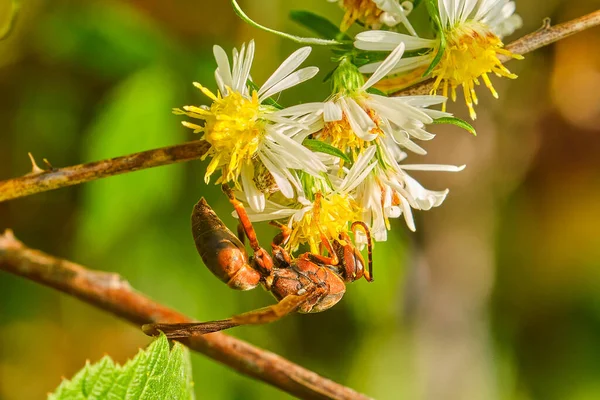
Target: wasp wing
[[260, 316]]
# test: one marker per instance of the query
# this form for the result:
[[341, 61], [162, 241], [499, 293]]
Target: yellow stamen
[[472, 51], [234, 129], [335, 214], [365, 11], [340, 135]]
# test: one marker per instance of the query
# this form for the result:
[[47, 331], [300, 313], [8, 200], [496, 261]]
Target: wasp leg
[[264, 315], [282, 238], [279, 253], [262, 258], [364, 226], [243, 216], [241, 234]]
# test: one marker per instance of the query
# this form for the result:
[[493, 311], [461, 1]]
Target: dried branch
[[528, 43], [37, 182], [113, 294], [55, 178]]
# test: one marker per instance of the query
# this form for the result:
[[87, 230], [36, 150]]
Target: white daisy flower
[[248, 136], [375, 13], [473, 30], [353, 117], [331, 209], [389, 192]]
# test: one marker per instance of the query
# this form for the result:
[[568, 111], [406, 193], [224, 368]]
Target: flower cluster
[[318, 167]]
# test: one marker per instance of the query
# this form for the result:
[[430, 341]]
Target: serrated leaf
[[458, 122], [7, 22], [322, 147], [156, 373], [298, 39], [318, 24]]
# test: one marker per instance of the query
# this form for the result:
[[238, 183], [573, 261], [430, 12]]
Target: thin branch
[[528, 43], [110, 292], [57, 178]]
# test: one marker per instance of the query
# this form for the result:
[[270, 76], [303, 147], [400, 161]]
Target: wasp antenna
[[369, 245]]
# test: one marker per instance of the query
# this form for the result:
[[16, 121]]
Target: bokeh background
[[497, 295]]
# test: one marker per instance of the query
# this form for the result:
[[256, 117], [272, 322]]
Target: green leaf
[[318, 24], [374, 90], [434, 13], [7, 23], [416, 3], [458, 122], [298, 39], [322, 147], [156, 373]]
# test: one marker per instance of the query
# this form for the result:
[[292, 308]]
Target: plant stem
[[56, 178]]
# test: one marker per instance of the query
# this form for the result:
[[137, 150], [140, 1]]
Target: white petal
[[254, 197], [386, 66], [408, 216], [422, 101], [433, 167], [300, 109], [291, 80], [403, 65], [286, 68], [388, 41], [247, 64], [359, 120], [282, 183], [223, 67], [332, 112], [361, 168]]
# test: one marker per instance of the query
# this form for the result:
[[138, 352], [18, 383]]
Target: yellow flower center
[[472, 52], [234, 129], [330, 215], [341, 135], [365, 11]]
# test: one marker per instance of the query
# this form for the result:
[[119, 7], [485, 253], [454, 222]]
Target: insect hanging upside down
[[307, 284]]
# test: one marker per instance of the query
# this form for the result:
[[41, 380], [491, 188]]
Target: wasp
[[307, 284]]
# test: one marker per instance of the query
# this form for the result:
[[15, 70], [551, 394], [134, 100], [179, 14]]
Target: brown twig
[[62, 177], [526, 44], [113, 294], [56, 178]]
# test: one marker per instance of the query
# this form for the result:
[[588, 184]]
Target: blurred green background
[[497, 295]]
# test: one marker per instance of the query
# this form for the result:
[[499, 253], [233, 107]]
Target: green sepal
[[321, 147], [374, 90], [434, 13], [318, 24], [458, 122], [298, 39]]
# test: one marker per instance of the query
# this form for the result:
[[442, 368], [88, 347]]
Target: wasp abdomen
[[222, 252]]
